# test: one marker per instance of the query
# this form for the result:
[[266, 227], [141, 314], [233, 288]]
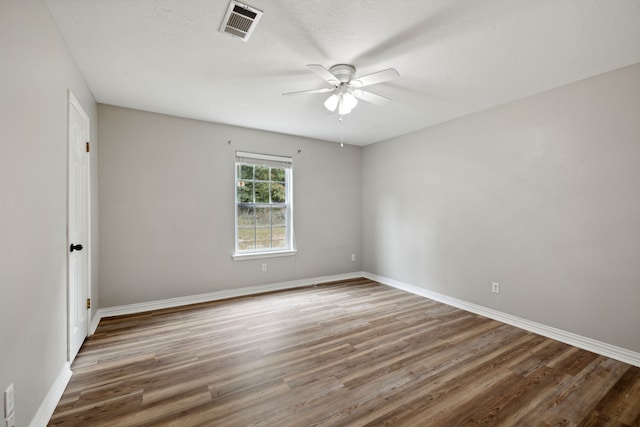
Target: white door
[[78, 227]]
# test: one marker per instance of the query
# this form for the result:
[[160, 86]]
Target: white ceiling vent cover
[[240, 20]]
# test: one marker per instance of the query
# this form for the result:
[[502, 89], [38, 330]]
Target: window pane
[[263, 217], [277, 192], [278, 217], [246, 172], [262, 192], [246, 239], [262, 213], [277, 174], [279, 239], [263, 238], [246, 216], [245, 192], [262, 173]]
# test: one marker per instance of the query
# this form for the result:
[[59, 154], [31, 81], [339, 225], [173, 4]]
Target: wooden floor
[[352, 353]]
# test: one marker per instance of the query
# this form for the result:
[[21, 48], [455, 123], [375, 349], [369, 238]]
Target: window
[[264, 214]]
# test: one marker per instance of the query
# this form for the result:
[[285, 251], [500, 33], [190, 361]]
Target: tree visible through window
[[263, 203]]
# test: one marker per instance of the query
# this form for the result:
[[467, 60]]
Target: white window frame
[[286, 163]]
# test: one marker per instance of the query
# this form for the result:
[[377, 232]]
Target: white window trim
[[256, 255], [273, 161]]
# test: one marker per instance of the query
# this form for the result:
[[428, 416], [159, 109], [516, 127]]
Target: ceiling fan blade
[[303, 92], [375, 78], [371, 97], [323, 73]]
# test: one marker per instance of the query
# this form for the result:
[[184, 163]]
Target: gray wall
[[167, 207], [36, 72], [541, 195]]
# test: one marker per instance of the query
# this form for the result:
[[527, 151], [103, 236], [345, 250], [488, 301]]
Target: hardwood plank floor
[[353, 353]]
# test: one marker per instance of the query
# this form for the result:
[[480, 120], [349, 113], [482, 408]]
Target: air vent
[[240, 20]]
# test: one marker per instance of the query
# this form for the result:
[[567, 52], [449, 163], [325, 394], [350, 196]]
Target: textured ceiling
[[454, 57]]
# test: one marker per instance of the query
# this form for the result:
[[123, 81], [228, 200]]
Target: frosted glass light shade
[[349, 100], [343, 108], [332, 102]]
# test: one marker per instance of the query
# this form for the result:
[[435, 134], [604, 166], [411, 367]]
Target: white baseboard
[[604, 349], [94, 323], [48, 405], [214, 296]]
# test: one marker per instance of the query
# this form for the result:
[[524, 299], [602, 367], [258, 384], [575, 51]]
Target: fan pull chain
[[341, 131]]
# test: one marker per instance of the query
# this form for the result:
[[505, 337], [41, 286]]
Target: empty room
[[299, 213]]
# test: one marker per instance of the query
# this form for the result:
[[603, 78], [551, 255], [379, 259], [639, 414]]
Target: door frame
[[72, 101]]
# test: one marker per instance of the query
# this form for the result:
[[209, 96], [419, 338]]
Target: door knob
[[75, 247]]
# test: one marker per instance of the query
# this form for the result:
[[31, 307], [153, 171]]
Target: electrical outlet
[[495, 287], [11, 420], [9, 401], [264, 266], [353, 257]]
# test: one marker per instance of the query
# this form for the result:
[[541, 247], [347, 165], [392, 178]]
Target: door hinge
[[88, 303], [88, 146]]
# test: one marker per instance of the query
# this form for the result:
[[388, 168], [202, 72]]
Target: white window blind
[[263, 160]]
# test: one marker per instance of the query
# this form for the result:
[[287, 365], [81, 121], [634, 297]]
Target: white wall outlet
[[353, 257], [9, 401], [11, 420], [264, 266], [495, 287]]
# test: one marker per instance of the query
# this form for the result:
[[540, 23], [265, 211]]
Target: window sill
[[257, 255]]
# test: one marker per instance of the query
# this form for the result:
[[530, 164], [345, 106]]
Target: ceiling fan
[[347, 88]]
